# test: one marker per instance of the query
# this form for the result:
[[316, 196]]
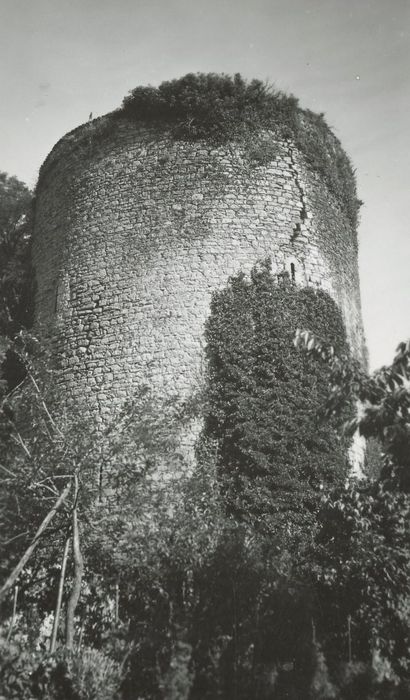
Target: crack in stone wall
[[304, 214], [144, 229]]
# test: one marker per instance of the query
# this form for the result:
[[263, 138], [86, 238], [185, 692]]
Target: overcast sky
[[62, 59]]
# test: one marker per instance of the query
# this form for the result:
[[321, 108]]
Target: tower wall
[[135, 230]]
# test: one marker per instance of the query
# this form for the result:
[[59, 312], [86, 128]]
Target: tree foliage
[[361, 567], [16, 285], [364, 573], [384, 399], [264, 573], [15, 239]]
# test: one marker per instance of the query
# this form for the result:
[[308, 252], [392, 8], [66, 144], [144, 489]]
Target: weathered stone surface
[[135, 230]]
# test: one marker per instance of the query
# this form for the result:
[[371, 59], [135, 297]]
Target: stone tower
[[136, 228]]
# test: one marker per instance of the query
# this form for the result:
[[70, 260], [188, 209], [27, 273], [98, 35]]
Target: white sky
[[62, 59]]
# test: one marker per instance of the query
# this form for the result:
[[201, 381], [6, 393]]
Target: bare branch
[[7, 471], [78, 574], [44, 405], [29, 551], [16, 537], [13, 617], [19, 441], [53, 639]]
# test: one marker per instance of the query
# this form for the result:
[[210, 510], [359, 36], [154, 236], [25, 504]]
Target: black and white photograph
[[204, 350]]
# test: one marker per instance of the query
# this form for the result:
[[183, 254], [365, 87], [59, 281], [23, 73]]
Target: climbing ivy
[[276, 452]]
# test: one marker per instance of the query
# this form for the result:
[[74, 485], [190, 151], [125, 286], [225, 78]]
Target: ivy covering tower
[[143, 213]]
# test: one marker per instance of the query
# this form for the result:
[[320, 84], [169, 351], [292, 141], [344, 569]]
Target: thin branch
[[43, 403], [13, 617], [41, 485], [7, 471], [29, 551], [56, 621], [78, 574], [117, 603], [19, 441], [16, 537], [59, 476], [47, 431], [13, 391]]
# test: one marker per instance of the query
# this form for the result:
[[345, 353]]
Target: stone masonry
[[134, 230]]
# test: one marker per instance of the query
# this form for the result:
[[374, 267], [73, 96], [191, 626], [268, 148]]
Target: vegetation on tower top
[[222, 108]]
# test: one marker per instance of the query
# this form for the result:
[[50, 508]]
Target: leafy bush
[[361, 562], [275, 454], [204, 105], [17, 663], [363, 571], [27, 672], [205, 605], [194, 602], [385, 400], [94, 676], [220, 107]]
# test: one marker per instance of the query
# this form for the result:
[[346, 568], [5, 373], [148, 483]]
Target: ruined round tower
[[136, 226]]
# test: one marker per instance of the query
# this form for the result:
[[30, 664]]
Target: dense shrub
[[204, 105], [182, 600], [207, 608], [385, 401], [238, 581], [28, 672], [362, 572], [220, 107], [275, 454], [361, 562]]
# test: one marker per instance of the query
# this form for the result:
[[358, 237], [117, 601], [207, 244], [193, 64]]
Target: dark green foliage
[[210, 105], [253, 618], [362, 570], [183, 601], [15, 238], [221, 108], [206, 606], [16, 283], [28, 672], [385, 396], [361, 563], [275, 454]]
